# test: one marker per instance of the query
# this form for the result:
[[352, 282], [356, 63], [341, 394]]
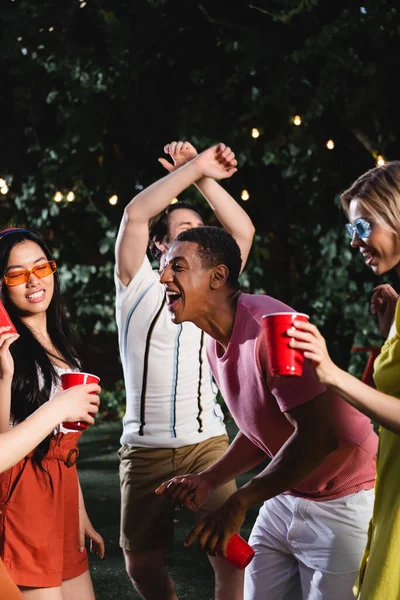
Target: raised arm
[[228, 212], [217, 162], [75, 404], [378, 406], [6, 376]]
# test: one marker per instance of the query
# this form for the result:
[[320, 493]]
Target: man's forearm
[[297, 459], [241, 456], [155, 198], [229, 213]]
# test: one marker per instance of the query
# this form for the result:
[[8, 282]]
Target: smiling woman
[[43, 515], [372, 205]]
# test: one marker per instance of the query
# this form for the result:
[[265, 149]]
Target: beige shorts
[[147, 519]]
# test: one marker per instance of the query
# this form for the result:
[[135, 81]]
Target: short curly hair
[[215, 247], [158, 226]]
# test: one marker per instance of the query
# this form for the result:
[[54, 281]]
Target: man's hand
[[190, 490], [219, 526], [180, 153], [217, 162], [383, 304]]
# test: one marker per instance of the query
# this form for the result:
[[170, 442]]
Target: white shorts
[[307, 550]]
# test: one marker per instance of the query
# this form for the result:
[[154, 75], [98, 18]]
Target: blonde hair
[[378, 194]]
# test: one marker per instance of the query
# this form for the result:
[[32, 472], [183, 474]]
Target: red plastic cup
[[282, 358], [5, 320], [239, 552], [70, 379]]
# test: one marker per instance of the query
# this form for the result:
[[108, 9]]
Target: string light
[[245, 195], [70, 196], [255, 133], [330, 144], [297, 120], [57, 197], [174, 201], [4, 189], [113, 200], [380, 161], [2, 182]]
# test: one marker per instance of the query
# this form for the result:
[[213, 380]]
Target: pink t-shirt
[[258, 401]]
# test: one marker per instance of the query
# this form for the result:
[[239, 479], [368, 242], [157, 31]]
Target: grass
[[98, 474]]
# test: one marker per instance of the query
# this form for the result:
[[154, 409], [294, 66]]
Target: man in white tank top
[[173, 423]]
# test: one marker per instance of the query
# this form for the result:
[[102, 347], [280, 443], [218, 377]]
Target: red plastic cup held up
[[282, 358], [5, 320], [70, 379], [239, 552]]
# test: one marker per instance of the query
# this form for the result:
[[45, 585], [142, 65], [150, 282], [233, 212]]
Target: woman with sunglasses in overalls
[[372, 204], [43, 517]]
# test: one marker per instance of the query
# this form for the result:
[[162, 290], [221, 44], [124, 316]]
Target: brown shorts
[[147, 519]]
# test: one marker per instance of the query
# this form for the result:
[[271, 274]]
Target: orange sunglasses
[[22, 276]]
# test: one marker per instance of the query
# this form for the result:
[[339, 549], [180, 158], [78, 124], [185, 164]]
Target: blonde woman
[[372, 204]]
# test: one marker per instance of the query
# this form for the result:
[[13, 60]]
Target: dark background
[[91, 91]]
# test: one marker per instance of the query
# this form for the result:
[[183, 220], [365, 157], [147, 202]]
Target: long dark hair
[[34, 372]]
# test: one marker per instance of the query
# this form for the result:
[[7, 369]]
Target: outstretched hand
[[383, 304], [190, 490], [180, 153], [308, 338]]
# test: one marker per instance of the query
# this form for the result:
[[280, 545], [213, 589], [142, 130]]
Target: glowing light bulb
[[380, 161], [245, 195], [255, 133], [4, 189], [113, 200], [330, 144], [297, 120], [70, 196], [174, 201], [57, 197], [2, 182]]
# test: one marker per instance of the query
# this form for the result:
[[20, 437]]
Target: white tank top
[[170, 394]]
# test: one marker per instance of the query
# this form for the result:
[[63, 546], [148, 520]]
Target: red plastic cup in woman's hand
[[5, 320], [239, 552], [70, 379], [282, 358]]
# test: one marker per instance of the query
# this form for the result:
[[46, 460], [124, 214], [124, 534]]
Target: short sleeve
[[288, 391], [142, 279]]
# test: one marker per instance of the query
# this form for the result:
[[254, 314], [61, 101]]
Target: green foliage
[[92, 92]]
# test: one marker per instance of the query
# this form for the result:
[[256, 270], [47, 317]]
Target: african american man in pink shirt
[[317, 490]]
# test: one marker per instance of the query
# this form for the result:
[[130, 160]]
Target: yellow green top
[[379, 577]]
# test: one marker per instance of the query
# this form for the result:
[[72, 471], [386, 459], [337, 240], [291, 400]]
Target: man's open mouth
[[172, 299]]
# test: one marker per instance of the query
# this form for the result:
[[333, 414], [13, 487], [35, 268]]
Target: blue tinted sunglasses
[[361, 227]]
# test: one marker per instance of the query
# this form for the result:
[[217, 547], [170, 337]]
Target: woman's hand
[[307, 337], [96, 543], [383, 303], [78, 403], [6, 360], [180, 152]]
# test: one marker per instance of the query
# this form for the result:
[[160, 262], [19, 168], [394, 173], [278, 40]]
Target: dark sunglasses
[[361, 227]]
